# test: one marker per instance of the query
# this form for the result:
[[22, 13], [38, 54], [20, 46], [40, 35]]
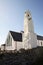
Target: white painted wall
[[2, 47], [30, 41], [19, 45], [39, 42], [28, 23], [33, 40], [12, 47], [30, 38], [14, 44], [9, 48]]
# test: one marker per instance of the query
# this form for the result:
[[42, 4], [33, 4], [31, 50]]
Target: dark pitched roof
[[3, 44], [39, 37], [16, 36]]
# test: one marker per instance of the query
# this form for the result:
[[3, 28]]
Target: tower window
[[28, 14]]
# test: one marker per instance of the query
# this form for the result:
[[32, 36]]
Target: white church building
[[26, 39]]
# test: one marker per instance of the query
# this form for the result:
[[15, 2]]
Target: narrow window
[[41, 43]]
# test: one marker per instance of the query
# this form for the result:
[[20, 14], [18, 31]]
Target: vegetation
[[22, 57]]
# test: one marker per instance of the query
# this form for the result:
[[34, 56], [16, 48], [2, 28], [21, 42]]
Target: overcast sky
[[12, 16]]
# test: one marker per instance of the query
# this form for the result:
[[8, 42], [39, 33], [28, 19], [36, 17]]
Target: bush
[[22, 50]]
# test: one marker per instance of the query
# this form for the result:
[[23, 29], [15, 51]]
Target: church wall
[[33, 40], [2, 47], [14, 44], [9, 48], [30, 41], [12, 47], [8, 41], [39, 42], [19, 45]]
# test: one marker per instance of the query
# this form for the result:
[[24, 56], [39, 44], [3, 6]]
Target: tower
[[28, 24], [29, 37]]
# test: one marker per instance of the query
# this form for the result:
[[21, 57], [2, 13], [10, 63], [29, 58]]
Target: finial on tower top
[[28, 13]]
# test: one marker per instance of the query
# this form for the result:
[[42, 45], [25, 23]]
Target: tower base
[[30, 41]]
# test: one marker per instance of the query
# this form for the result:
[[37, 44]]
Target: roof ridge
[[14, 31]]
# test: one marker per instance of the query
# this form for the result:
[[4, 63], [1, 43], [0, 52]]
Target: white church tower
[[29, 37]]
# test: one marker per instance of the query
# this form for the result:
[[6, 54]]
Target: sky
[[12, 16]]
